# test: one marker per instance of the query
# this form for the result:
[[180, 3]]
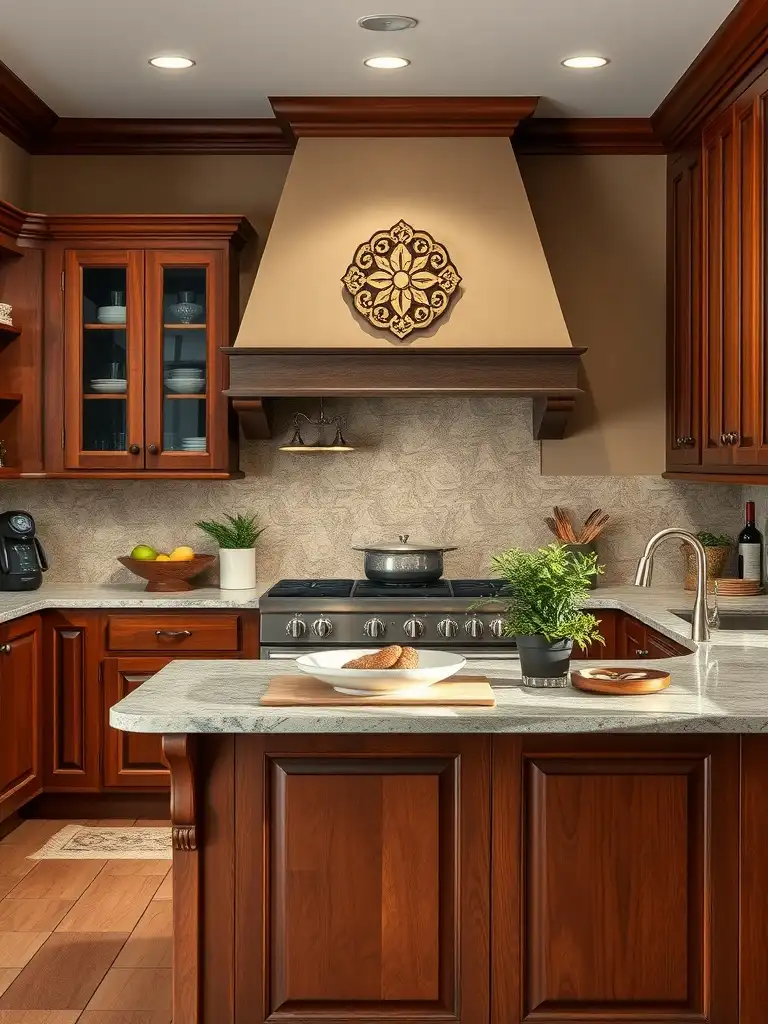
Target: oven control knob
[[374, 628], [414, 628], [497, 628], [474, 627], [322, 626], [296, 628], [447, 628]]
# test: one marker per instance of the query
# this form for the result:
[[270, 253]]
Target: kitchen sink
[[744, 621]]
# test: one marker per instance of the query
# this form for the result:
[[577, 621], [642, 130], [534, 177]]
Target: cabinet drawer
[[173, 632]]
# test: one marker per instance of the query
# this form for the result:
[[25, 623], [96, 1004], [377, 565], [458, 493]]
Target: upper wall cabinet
[[138, 309], [717, 382]]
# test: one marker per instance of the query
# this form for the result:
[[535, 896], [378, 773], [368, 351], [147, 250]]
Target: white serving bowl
[[111, 314], [434, 666], [182, 386]]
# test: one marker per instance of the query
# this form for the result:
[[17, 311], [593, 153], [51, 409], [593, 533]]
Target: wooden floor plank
[[64, 973], [39, 1016], [18, 948], [7, 977], [165, 892], [14, 865], [111, 903], [134, 989], [34, 832], [138, 867], [150, 943], [57, 879], [32, 915], [124, 1017]]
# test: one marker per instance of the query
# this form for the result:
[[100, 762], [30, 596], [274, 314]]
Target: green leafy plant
[[237, 532], [714, 540], [544, 593]]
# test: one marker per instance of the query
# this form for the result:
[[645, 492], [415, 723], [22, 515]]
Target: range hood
[[444, 166]]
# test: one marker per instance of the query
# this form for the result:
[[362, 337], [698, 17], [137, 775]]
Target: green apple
[[144, 553]]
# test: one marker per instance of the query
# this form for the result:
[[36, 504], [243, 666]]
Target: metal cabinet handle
[[641, 652], [685, 442], [5, 648], [733, 439], [173, 634], [723, 439], [134, 449], [153, 449]]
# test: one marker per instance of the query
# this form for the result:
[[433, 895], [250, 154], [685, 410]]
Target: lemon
[[163, 558], [144, 553], [182, 554]]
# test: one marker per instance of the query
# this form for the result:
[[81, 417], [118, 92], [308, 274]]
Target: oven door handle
[[292, 653]]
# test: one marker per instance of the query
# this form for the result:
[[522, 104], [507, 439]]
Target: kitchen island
[[560, 857]]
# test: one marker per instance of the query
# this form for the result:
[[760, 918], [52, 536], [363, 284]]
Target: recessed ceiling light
[[585, 62], [387, 22], [387, 63], [174, 63]]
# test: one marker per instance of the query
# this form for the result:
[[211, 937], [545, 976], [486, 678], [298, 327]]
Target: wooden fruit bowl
[[168, 577]]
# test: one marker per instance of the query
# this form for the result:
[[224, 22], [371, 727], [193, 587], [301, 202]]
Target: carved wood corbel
[[179, 752]]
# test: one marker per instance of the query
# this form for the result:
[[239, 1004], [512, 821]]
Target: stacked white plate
[[107, 386], [193, 444], [185, 381], [111, 314]]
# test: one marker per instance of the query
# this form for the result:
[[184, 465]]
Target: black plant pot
[[544, 663]]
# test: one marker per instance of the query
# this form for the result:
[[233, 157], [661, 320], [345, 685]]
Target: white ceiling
[[88, 58]]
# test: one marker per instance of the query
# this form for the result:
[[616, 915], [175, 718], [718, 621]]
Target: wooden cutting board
[[304, 691]]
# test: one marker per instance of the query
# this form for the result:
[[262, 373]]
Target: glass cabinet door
[[104, 299], [182, 360]]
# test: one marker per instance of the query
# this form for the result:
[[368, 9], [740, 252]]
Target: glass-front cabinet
[[143, 367]]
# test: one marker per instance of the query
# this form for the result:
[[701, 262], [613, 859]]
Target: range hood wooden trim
[[549, 375]]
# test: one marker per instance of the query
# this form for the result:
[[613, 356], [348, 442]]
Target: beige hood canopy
[[445, 167]]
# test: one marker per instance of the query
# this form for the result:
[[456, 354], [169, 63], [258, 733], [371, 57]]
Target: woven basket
[[717, 559]]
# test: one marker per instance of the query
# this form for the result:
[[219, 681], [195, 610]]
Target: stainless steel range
[[303, 615]]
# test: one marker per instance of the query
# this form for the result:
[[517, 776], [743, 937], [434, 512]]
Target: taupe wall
[[601, 221], [14, 173]]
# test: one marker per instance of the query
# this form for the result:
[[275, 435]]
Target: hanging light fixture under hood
[[298, 444]]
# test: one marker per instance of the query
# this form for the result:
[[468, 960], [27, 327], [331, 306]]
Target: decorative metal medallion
[[401, 280]]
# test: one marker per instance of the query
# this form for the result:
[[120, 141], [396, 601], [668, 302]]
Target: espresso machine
[[22, 558]]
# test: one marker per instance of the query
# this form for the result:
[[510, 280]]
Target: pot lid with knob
[[402, 546]]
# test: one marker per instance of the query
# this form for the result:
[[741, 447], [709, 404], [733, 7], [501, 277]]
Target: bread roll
[[385, 658]]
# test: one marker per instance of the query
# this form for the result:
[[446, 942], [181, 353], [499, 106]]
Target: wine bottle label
[[749, 561]]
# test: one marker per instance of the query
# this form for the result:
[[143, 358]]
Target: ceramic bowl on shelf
[[111, 314], [168, 577], [109, 387], [434, 666], [185, 385]]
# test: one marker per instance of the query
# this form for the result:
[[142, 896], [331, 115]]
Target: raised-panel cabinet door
[[722, 318], [131, 760], [608, 622], [632, 637], [104, 359], [372, 890], [684, 215], [615, 879], [20, 680], [72, 702], [186, 311]]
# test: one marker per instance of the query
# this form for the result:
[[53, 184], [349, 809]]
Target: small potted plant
[[543, 610], [236, 538], [717, 547]]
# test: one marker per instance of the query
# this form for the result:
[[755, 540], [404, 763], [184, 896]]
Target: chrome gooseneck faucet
[[701, 619]]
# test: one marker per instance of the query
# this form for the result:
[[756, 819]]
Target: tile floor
[[86, 941]]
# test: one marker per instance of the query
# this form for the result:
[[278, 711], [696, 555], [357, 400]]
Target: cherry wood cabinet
[[717, 381], [132, 760], [636, 640], [609, 624], [137, 311], [20, 683]]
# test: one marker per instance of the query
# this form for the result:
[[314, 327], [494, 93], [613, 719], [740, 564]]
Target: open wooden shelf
[[111, 396], [200, 396], [104, 327], [184, 327], [10, 396]]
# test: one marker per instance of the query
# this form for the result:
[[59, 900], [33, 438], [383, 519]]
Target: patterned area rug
[[90, 842]]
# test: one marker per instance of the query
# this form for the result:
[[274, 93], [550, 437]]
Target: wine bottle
[[750, 547]]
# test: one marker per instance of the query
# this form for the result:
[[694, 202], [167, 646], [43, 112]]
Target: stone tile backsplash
[[461, 471]]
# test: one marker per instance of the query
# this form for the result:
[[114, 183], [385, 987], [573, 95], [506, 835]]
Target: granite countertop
[[125, 595], [720, 686]]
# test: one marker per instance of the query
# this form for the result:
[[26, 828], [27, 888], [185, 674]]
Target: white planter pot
[[237, 568]]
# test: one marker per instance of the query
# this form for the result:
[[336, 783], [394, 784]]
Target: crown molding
[[401, 116], [162, 136], [733, 57], [587, 135], [24, 117]]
